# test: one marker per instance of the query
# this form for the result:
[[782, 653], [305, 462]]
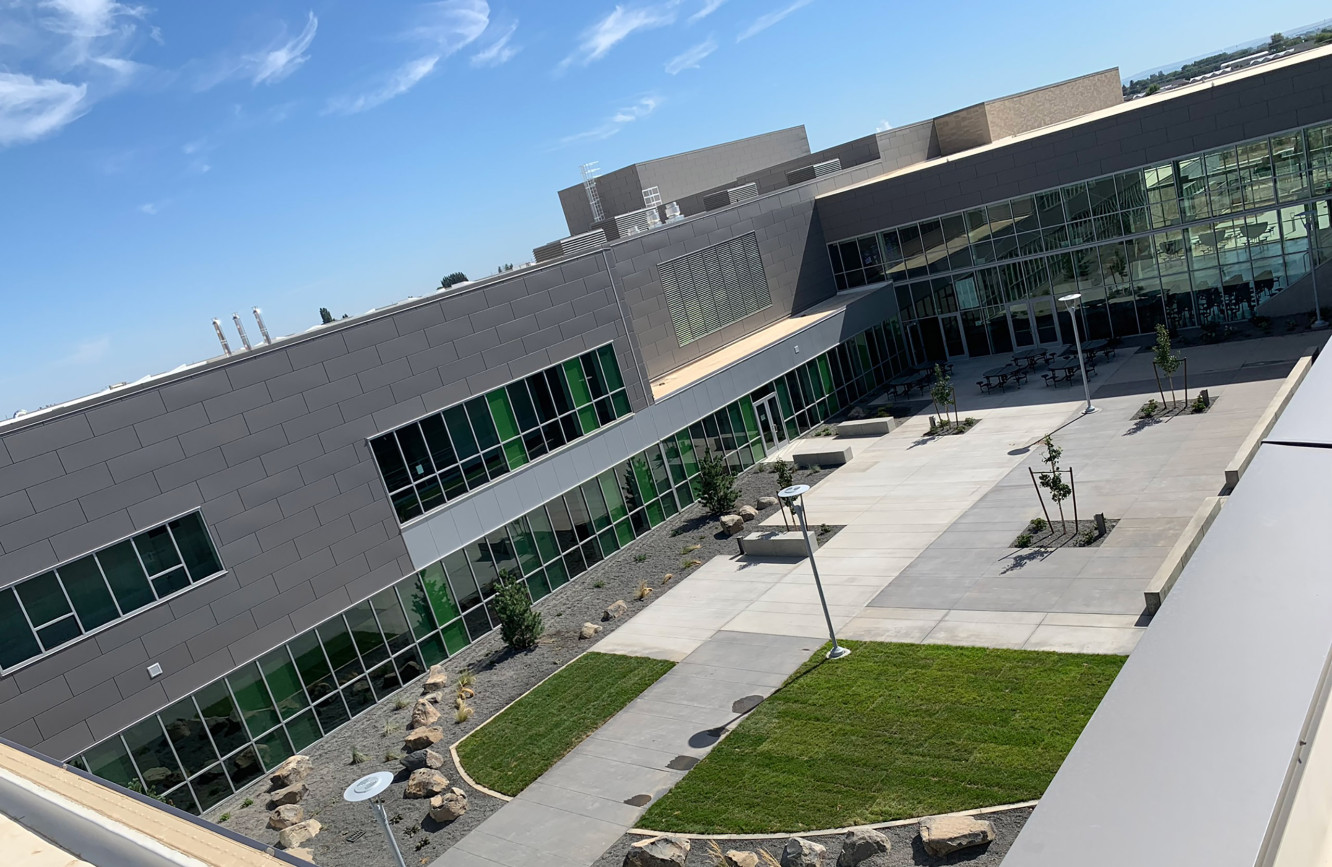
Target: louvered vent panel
[[709, 289]]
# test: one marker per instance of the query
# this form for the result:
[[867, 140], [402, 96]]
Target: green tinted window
[[283, 683], [610, 368], [17, 642], [414, 602], [573, 372], [109, 761], [43, 599], [83, 582], [256, 705], [437, 591], [121, 566], [391, 619], [219, 713], [153, 755], [187, 734], [482, 424], [502, 413], [611, 491], [311, 665]]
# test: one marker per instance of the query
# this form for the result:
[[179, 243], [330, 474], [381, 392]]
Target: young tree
[[1053, 481], [520, 626], [716, 485], [453, 279], [943, 394], [785, 478], [324, 316], [1166, 361]]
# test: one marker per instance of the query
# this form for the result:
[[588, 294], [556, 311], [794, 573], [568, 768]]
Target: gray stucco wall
[[270, 445], [1164, 128], [908, 145]]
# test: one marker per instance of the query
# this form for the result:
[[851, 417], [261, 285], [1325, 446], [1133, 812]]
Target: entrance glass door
[[1020, 316], [770, 422], [1043, 315], [954, 345]]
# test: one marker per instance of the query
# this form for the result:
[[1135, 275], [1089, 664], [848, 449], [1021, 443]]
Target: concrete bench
[[777, 543], [1165, 577], [866, 427], [1265, 422], [826, 458]]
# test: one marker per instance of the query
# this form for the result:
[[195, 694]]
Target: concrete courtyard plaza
[[924, 557]]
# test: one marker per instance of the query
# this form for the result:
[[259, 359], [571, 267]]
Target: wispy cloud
[[499, 49], [275, 62], [616, 122], [399, 82], [450, 25], [87, 352], [31, 108], [621, 23], [151, 209], [763, 22], [691, 58], [709, 6], [883, 126]]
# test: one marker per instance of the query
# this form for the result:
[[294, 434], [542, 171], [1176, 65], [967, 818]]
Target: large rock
[[422, 759], [732, 524], [768, 502], [944, 834], [298, 834], [294, 770], [614, 610], [286, 816], [423, 714], [862, 844], [448, 806], [658, 852], [856, 413], [735, 858], [289, 795], [436, 679], [302, 853], [589, 630], [747, 513], [425, 783], [799, 852], [419, 739]]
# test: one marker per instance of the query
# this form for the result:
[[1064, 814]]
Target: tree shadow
[[1029, 555], [1143, 424]]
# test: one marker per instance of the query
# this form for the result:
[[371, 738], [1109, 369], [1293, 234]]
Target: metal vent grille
[[709, 289]]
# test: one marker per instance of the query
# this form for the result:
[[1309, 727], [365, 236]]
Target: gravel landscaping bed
[[1077, 534], [906, 849], [501, 678]]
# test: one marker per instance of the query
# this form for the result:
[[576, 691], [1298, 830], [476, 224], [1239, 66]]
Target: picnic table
[[1091, 347], [1029, 356], [904, 382], [998, 377], [1064, 370]]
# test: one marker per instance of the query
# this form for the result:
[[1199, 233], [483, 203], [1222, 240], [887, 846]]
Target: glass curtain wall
[[205, 746], [1200, 240]]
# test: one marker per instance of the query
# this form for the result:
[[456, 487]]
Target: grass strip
[[891, 732], [539, 729]]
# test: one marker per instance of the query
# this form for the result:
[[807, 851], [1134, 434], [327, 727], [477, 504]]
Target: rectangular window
[[47, 611], [427, 463]]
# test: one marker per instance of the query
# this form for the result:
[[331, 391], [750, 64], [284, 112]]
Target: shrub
[[399, 703], [785, 471], [1023, 541], [391, 756], [598, 584], [690, 564], [1088, 537], [824, 529], [1150, 408], [716, 485], [643, 591], [640, 558], [1036, 525], [689, 549], [224, 817], [1199, 404], [520, 626], [466, 679], [247, 802], [358, 757], [464, 713]]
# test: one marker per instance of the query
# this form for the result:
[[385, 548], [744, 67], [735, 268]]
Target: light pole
[[1072, 302], [365, 789], [1311, 232], [795, 497]]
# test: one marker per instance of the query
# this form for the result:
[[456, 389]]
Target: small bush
[[1199, 405], [399, 703], [464, 713], [422, 843], [1150, 408], [389, 728], [815, 469], [643, 591], [640, 558], [1023, 541], [689, 549], [1037, 525], [690, 564], [598, 584], [392, 756], [224, 817], [520, 625], [785, 471], [1088, 537], [466, 678], [247, 802], [358, 757], [824, 529], [717, 492]]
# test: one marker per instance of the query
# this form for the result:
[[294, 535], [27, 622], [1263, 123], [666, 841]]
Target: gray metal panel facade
[[1226, 112]]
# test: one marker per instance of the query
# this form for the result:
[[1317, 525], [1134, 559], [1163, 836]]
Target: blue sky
[[164, 164]]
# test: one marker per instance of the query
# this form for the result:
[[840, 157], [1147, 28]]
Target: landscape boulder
[[292, 771], [857, 413], [289, 795], [614, 610], [658, 852], [423, 714], [747, 513], [434, 697], [436, 679], [425, 783], [799, 852], [286, 816], [448, 806], [860, 845], [426, 758], [768, 502], [298, 834], [735, 858], [943, 835], [303, 854], [419, 739], [732, 524], [589, 630]]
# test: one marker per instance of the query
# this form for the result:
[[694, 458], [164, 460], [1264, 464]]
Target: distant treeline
[[1278, 42]]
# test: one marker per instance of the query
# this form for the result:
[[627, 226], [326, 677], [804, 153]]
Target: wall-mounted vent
[[809, 173], [593, 240], [732, 196], [712, 288], [637, 221]]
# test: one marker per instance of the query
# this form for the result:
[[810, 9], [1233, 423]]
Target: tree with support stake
[[1164, 360], [944, 396], [1053, 482]]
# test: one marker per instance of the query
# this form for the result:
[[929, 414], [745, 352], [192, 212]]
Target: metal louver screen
[[709, 289]]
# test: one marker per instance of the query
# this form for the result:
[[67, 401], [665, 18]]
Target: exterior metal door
[[770, 422]]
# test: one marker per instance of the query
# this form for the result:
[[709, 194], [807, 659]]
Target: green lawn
[[891, 732], [539, 729]]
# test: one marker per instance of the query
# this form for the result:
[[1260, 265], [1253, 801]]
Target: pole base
[[1091, 409], [1319, 324], [838, 652]]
